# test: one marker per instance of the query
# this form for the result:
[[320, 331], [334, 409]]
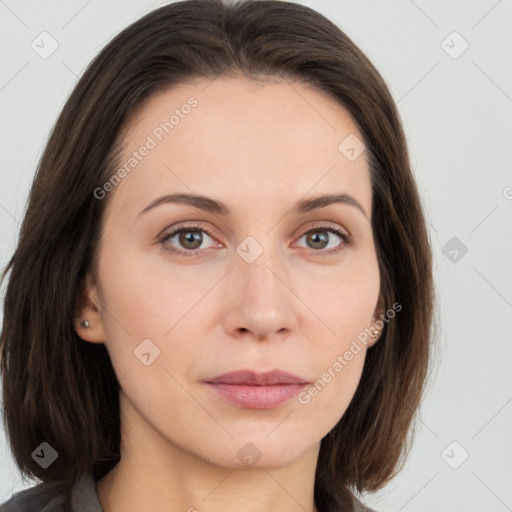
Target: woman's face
[[254, 282]]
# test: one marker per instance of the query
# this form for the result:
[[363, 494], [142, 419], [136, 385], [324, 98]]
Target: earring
[[375, 332], [85, 324]]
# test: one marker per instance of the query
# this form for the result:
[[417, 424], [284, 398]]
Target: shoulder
[[41, 498], [38, 497], [358, 506]]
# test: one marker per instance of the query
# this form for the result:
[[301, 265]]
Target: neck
[[200, 487], [155, 474]]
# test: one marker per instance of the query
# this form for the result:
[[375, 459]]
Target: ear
[[89, 308], [377, 315]]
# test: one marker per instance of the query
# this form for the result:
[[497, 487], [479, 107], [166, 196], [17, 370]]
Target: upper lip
[[255, 378]]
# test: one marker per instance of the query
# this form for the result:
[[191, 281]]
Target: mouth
[[250, 389]]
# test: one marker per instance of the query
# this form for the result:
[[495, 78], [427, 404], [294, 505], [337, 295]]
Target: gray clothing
[[84, 498]]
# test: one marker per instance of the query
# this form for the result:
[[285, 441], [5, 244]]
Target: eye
[[189, 237], [322, 242]]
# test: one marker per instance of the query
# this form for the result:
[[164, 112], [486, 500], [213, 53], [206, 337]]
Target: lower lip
[[256, 397]]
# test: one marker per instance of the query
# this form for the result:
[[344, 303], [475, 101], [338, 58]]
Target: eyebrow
[[214, 206]]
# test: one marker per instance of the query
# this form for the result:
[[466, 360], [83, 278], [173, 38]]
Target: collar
[[84, 496]]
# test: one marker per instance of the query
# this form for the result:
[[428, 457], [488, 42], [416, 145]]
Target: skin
[[259, 148]]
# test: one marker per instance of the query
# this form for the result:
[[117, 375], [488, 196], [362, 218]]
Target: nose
[[260, 302]]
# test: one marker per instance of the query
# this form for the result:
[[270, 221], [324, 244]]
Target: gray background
[[457, 112]]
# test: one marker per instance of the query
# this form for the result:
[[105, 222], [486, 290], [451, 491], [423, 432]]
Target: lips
[[253, 378], [249, 389]]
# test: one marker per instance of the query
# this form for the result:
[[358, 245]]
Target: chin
[[256, 452]]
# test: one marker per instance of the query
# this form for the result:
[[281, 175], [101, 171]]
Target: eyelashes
[[198, 227], [193, 228]]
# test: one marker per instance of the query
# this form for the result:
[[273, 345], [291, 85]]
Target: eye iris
[[314, 237], [191, 237]]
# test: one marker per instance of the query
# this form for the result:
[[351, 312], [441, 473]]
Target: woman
[[222, 293]]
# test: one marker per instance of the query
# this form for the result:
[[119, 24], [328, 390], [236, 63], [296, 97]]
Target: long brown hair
[[61, 390]]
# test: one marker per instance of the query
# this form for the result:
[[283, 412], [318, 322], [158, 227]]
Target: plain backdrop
[[449, 67]]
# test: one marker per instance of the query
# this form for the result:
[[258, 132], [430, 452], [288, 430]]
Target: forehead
[[263, 141]]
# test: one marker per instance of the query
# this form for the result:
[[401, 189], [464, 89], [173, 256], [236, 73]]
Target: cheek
[[338, 357], [345, 305], [142, 297], [325, 401], [145, 301], [345, 300]]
